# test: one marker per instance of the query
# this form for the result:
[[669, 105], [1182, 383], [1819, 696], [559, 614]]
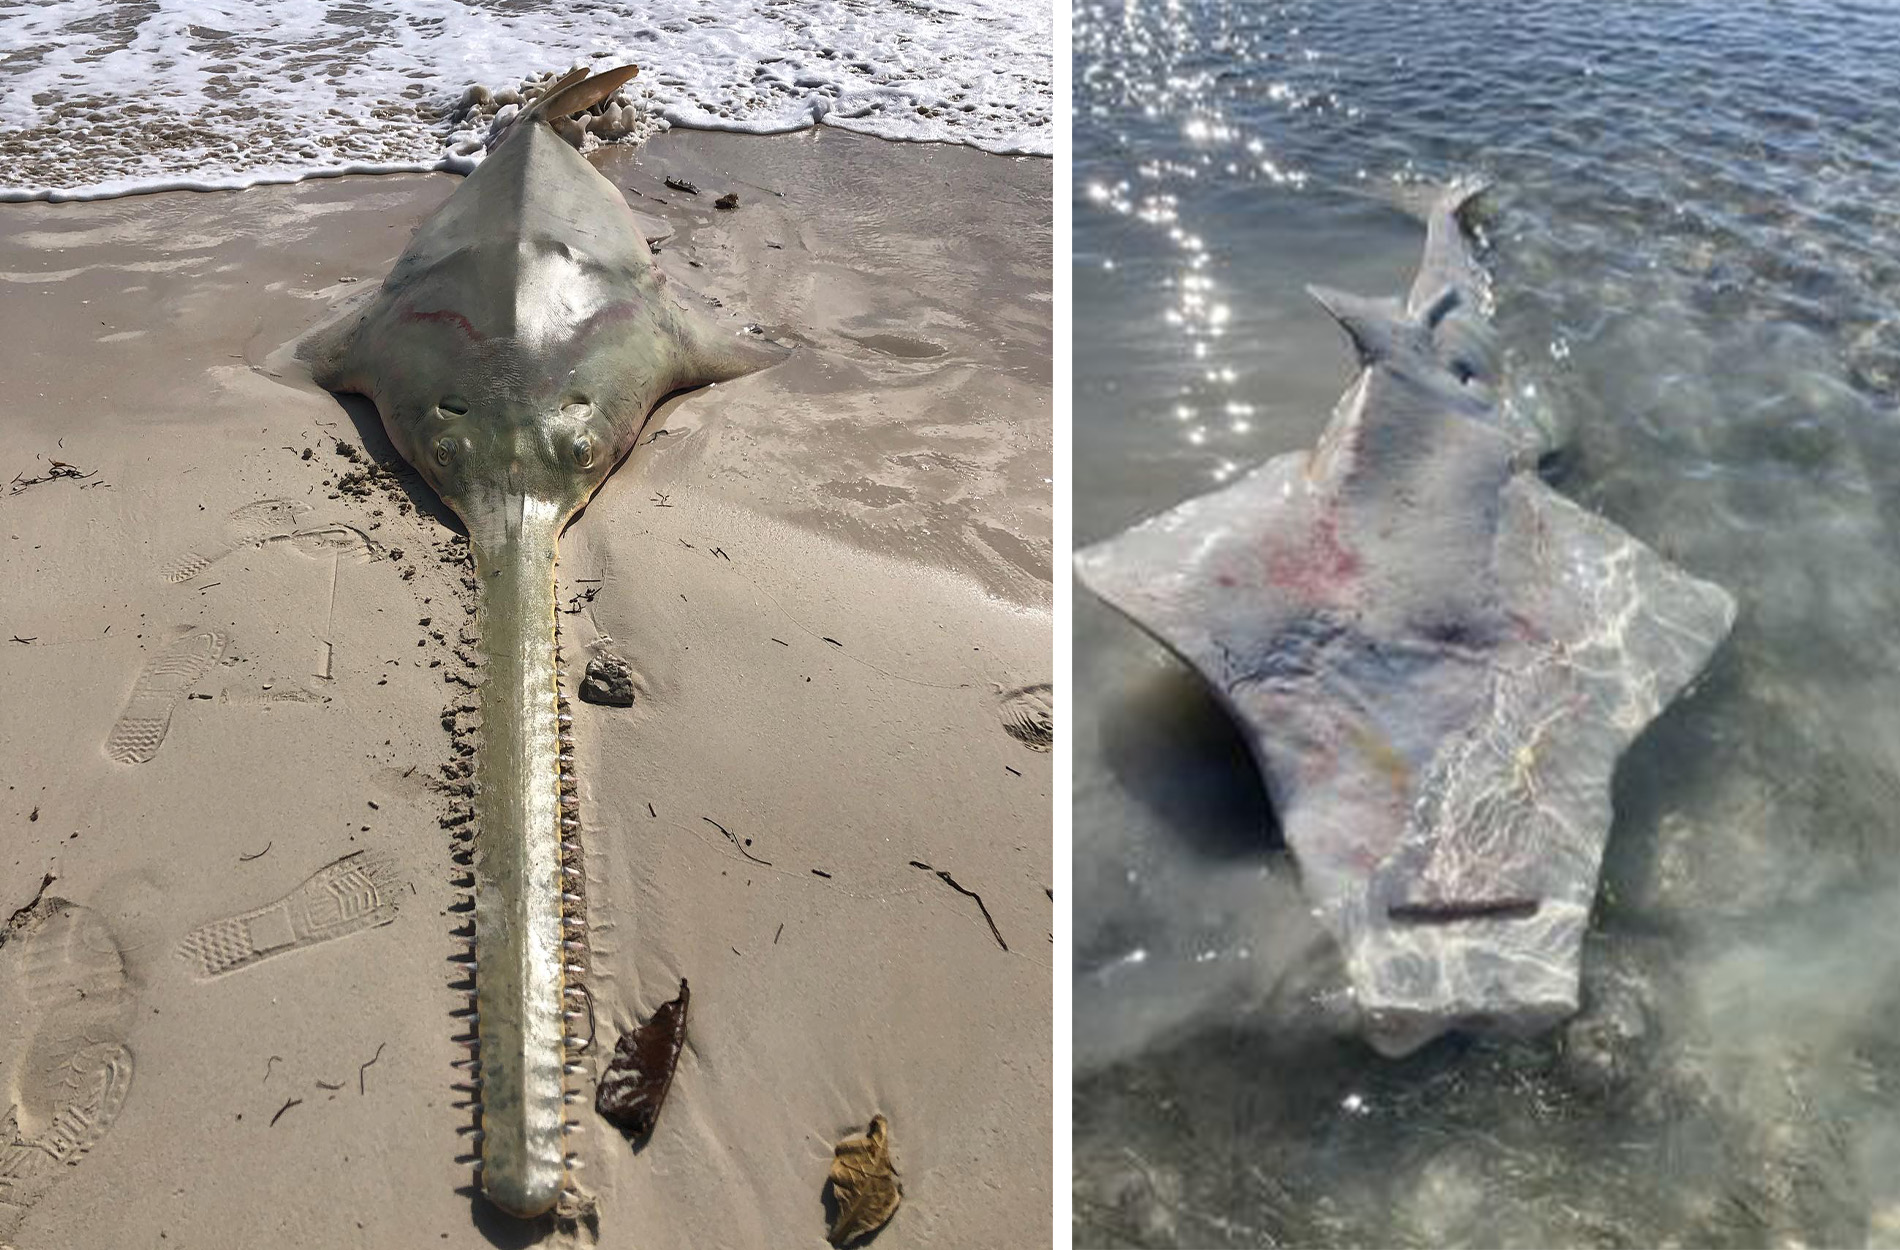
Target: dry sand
[[829, 577]]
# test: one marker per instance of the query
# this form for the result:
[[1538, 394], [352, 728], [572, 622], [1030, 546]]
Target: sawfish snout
[[559, 452]]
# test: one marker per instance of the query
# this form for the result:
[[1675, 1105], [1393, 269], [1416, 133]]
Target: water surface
[[106, 97]]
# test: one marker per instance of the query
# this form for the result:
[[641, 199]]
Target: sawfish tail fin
[[581, 90], [1459, 194], [1448, 264], [1448, 278], [1437, 201]]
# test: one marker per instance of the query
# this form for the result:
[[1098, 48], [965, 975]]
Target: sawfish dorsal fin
[[578, 92], [1373, 325]]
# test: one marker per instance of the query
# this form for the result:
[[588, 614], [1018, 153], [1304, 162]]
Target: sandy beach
[[241, 636]]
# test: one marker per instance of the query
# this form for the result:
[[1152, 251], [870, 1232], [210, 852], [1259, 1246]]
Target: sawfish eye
[[444, 451], [451, 408], [584, 451]]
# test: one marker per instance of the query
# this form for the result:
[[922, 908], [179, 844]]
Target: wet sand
[[831, 578]]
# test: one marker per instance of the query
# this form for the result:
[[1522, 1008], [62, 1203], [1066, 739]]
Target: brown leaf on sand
[[863, 1184], [634, 1085]]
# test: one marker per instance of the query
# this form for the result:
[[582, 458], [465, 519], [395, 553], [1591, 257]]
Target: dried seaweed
[[633, 1088], [863, 1184]]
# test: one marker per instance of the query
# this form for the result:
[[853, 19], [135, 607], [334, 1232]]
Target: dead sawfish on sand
[[514, 353], [1435, 658]]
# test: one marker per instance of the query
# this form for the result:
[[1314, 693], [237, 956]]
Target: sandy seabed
[[231, 696]]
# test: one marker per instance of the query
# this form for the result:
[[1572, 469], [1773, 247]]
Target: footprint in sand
[[167, 675], [355, 893], [77, 1070], [1029, 716], [333, 538], [248, 526]]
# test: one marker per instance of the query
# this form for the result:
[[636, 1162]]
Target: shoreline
[[460, 166], [830, 578]]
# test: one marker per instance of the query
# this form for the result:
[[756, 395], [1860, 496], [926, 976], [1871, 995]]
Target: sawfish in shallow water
[[1435, 658], [514, 353]]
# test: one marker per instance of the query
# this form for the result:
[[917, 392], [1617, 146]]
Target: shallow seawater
[[106, 97], [1695, 241]]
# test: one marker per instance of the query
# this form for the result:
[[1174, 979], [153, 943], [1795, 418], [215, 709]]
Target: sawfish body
[[1436, 660], [514, 352]]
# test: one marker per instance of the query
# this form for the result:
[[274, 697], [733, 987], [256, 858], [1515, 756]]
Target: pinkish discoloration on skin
[[601, 318], [1321, 567], [445, 316], [580, 341]]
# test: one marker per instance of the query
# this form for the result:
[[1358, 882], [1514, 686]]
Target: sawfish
[[514, 352], [1435, 658]]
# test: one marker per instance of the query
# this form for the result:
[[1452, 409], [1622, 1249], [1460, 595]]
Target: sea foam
[[111, 97]]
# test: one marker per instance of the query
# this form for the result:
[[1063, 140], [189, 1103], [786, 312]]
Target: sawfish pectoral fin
[[1616, 596], [328, 349], [711, 353]]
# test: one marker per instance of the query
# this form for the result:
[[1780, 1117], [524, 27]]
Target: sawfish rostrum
[[1435, 658], [514, 352]]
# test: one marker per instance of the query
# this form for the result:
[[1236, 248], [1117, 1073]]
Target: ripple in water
[[1696, 243]]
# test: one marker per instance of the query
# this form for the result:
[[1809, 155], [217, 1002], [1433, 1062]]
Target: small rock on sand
[[609, 682]]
